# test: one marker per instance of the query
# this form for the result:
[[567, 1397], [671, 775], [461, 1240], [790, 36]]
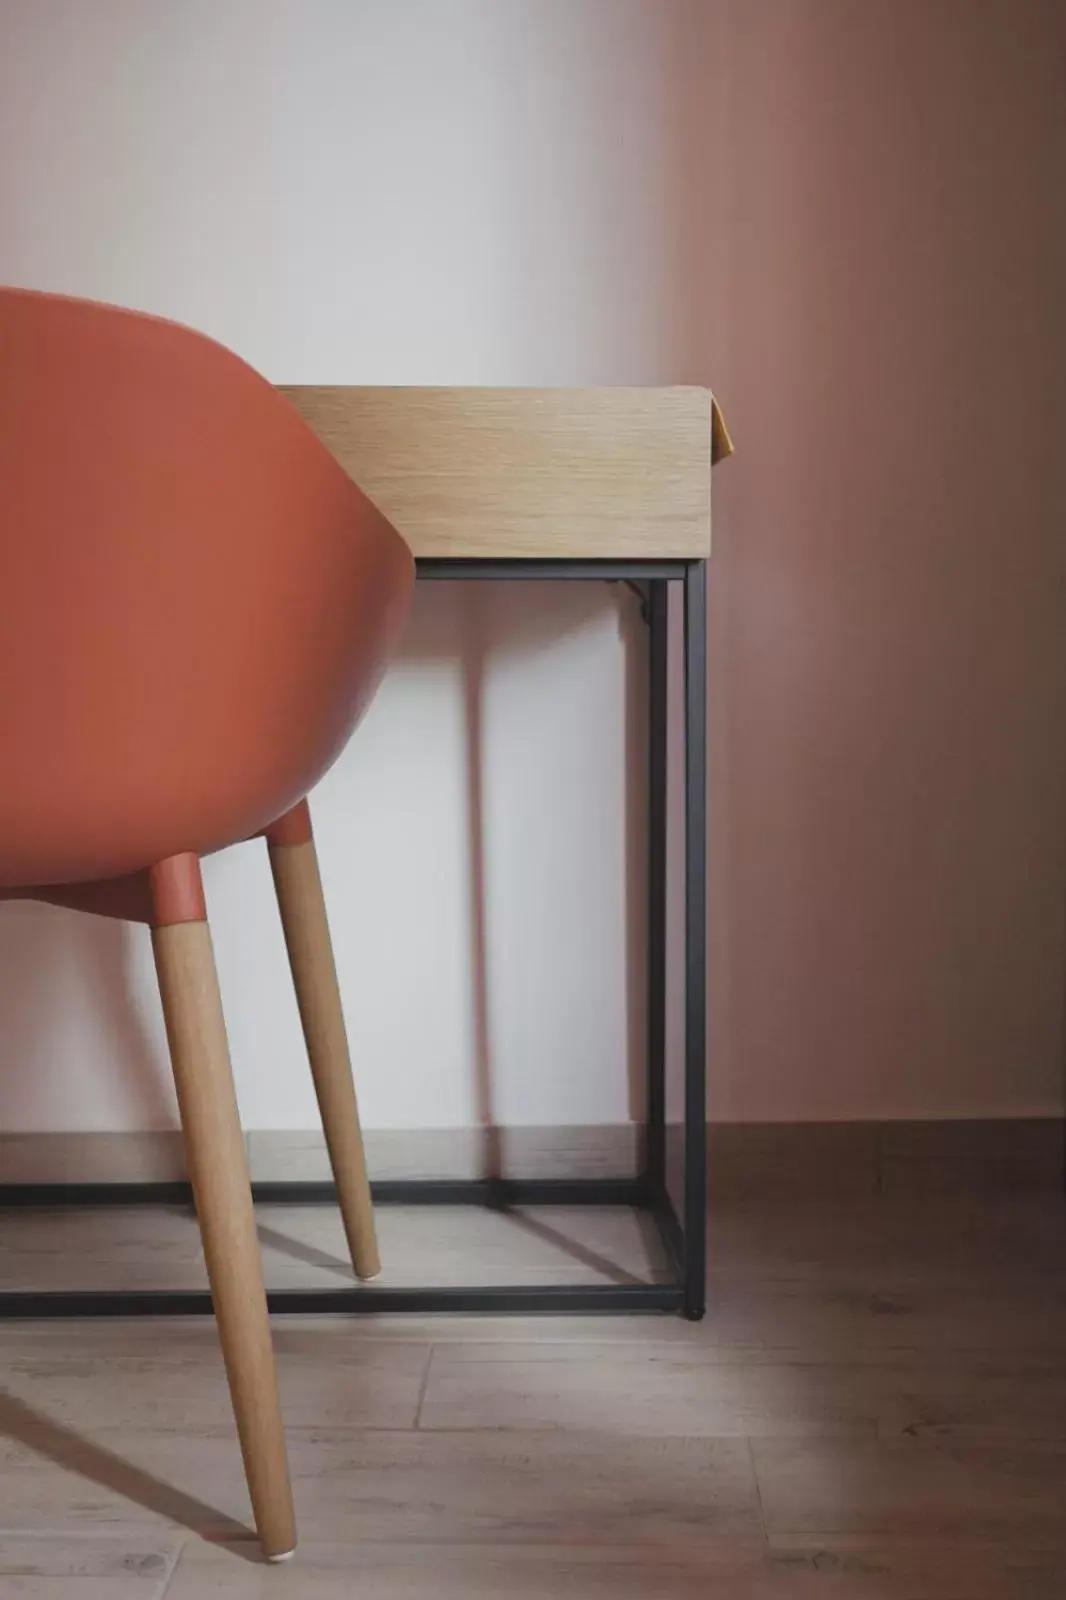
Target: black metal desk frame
[[684, 1234]]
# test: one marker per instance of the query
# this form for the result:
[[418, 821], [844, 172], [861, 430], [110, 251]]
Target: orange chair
[[196, 605]]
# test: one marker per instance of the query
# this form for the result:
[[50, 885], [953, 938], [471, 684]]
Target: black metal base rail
[[683, 1236], [551, 1300], [494, 1194], [500, 1195]]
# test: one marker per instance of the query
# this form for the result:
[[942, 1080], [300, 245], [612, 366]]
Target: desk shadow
[[537, 1228], [488, 621], [473, 661], [524, 1221], [69, 1451], [633, 629]]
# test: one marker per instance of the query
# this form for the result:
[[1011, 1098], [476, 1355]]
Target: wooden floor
[[875, 1408]]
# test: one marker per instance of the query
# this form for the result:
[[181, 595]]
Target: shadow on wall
[[498, 625], [57, 965]]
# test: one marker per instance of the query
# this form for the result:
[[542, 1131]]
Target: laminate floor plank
[[873, 1409], [820, 1487], [856, 1571], [632, 1391], [158, 1247], [85, 1569]]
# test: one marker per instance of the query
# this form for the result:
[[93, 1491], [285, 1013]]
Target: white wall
[[847, 217], [438, 191]]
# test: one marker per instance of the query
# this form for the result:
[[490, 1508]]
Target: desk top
[[527, 473]]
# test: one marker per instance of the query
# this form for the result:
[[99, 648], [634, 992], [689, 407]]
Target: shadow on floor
[[68, 1450], [309, 1254], [533, 1226], [578, 1252]]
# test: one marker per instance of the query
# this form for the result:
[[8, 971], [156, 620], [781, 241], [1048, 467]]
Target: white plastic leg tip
[[286, 1555]]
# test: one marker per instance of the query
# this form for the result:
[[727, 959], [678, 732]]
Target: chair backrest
[[196, 602]]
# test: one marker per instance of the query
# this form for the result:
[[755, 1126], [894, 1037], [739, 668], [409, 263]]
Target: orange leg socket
[[177, 890], [293, 828]]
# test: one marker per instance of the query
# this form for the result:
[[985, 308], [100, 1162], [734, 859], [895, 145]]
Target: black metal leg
[[695, 939], [655, 1126], [685, 1287]]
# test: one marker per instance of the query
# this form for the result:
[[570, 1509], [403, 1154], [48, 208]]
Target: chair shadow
[[307, 1254], [69, 1451]]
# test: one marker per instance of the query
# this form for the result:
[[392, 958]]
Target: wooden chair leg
[[218, 1168], [294, 863]]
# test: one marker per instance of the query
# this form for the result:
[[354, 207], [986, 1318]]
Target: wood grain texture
[[839, 1571], [648, 1393], [873, 1409], [486, 1572], [304, 1246], [298, 886], [1014, 1155], [177, 1382], [875, 1490], [196, 1033], [396, 1486], [85, 1569], [527, 473]]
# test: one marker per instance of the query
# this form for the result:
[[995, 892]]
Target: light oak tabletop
[[522, 474]]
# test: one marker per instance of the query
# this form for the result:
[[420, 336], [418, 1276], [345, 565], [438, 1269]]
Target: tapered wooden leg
[[218, 1169], [294, 864]]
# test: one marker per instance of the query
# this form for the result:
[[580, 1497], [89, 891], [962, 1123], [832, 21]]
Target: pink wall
[[874, 202]]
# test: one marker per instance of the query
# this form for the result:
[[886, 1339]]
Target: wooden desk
[[530, 474], [586, 484], [528, 483]]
